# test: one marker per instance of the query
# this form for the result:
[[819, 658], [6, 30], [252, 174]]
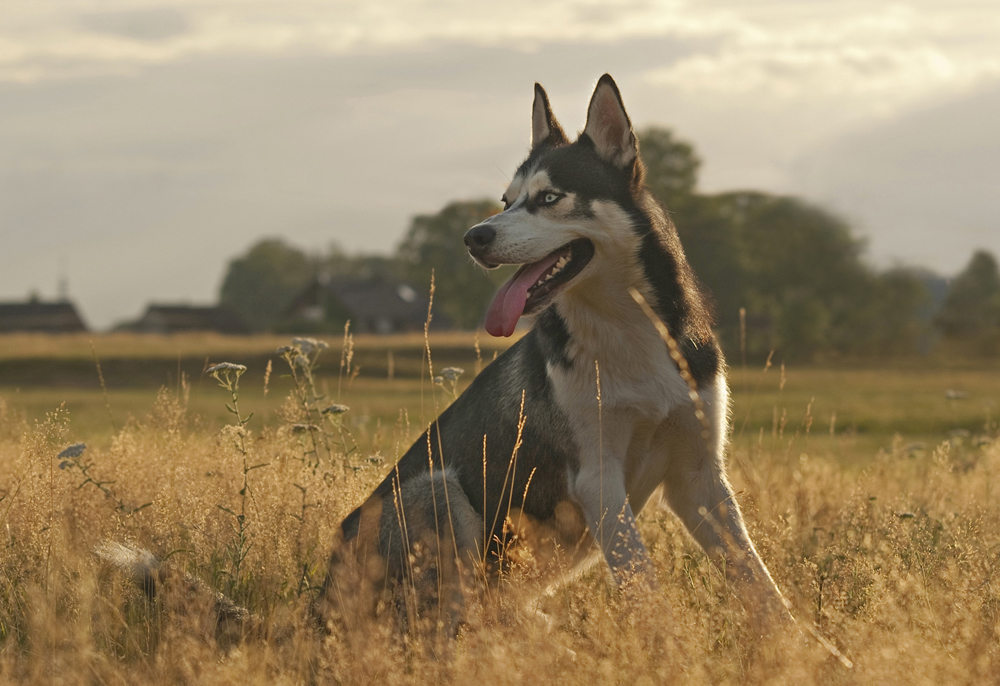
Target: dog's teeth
[[555, 269]]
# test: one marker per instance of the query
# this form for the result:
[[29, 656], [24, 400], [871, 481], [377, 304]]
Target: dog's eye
[[550, 198]]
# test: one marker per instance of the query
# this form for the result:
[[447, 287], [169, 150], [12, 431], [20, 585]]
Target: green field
[[846, 411], [870, 490]]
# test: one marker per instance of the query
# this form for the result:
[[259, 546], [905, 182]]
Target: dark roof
[[54, 317], [171, 318], [379, 305], [393, 299]]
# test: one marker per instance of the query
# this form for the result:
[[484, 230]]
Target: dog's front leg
[[599, 488], [699, 493]]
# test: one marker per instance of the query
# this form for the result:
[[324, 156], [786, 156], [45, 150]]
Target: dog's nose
[[479, 236]]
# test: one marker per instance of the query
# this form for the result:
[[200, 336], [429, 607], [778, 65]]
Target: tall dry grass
[[895, 563]]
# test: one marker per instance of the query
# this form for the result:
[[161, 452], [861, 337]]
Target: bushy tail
[[138, 563], [232, 622]]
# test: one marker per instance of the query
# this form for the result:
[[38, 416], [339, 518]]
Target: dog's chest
[[619, 368]]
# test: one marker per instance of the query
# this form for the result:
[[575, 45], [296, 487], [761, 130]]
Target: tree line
[[784, 275]]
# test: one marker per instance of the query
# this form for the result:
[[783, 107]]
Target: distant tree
[[891, 319], [799, 274], [671, 166], [711, 243], [971, 309], [463, 290], [262, 283]]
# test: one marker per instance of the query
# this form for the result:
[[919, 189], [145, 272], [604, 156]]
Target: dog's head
[[569, 207]]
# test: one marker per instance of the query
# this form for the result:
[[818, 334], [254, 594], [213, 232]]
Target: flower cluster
[[309, 345], [227, 374], [451, 375]]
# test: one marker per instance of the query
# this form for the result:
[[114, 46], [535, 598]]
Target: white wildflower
[[227, 374], [226, 367], [452, 373], [308, 345]]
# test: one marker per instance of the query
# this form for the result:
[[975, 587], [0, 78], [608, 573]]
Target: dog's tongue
[[508, 304]]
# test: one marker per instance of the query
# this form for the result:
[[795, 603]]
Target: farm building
[[379, 305], [47, 317], [176, 318]]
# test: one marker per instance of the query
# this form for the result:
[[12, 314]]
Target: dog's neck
[[606, 324]]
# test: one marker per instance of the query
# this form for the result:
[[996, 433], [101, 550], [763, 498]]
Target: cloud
[[54, 39], [880, 60], [883, 57], [152, 24]]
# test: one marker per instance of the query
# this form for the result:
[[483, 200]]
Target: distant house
[[46, 317], [379, 305], [176, 318]]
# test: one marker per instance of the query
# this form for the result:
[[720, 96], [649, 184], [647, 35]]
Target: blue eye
[[550, 198]]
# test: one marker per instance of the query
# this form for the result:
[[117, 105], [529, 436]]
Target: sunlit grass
[[883, 532]]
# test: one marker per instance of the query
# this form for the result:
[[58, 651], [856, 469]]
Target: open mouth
[[535, 284]]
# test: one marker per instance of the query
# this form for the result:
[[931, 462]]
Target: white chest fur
[[620, 351]]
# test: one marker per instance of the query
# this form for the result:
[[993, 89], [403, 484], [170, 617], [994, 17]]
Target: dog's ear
[[609, 127], [545, 130]]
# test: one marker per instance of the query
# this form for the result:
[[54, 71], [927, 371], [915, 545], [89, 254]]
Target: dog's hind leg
[[356, 574], [431, 538], [423, 539], [699, 493]]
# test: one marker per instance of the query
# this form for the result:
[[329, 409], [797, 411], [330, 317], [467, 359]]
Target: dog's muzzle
[[478, 240]]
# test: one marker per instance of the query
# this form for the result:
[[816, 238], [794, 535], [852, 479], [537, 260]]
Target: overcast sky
[[143, 144]]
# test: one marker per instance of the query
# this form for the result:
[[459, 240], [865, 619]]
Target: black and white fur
[[592, 465]]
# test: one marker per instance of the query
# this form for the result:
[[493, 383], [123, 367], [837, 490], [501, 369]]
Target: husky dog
[[561, 441]]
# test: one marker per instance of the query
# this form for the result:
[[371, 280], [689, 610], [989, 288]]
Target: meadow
[[868, 488]]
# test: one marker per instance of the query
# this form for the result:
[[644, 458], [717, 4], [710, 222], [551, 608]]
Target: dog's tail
[[232, 622], [140, 564]]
